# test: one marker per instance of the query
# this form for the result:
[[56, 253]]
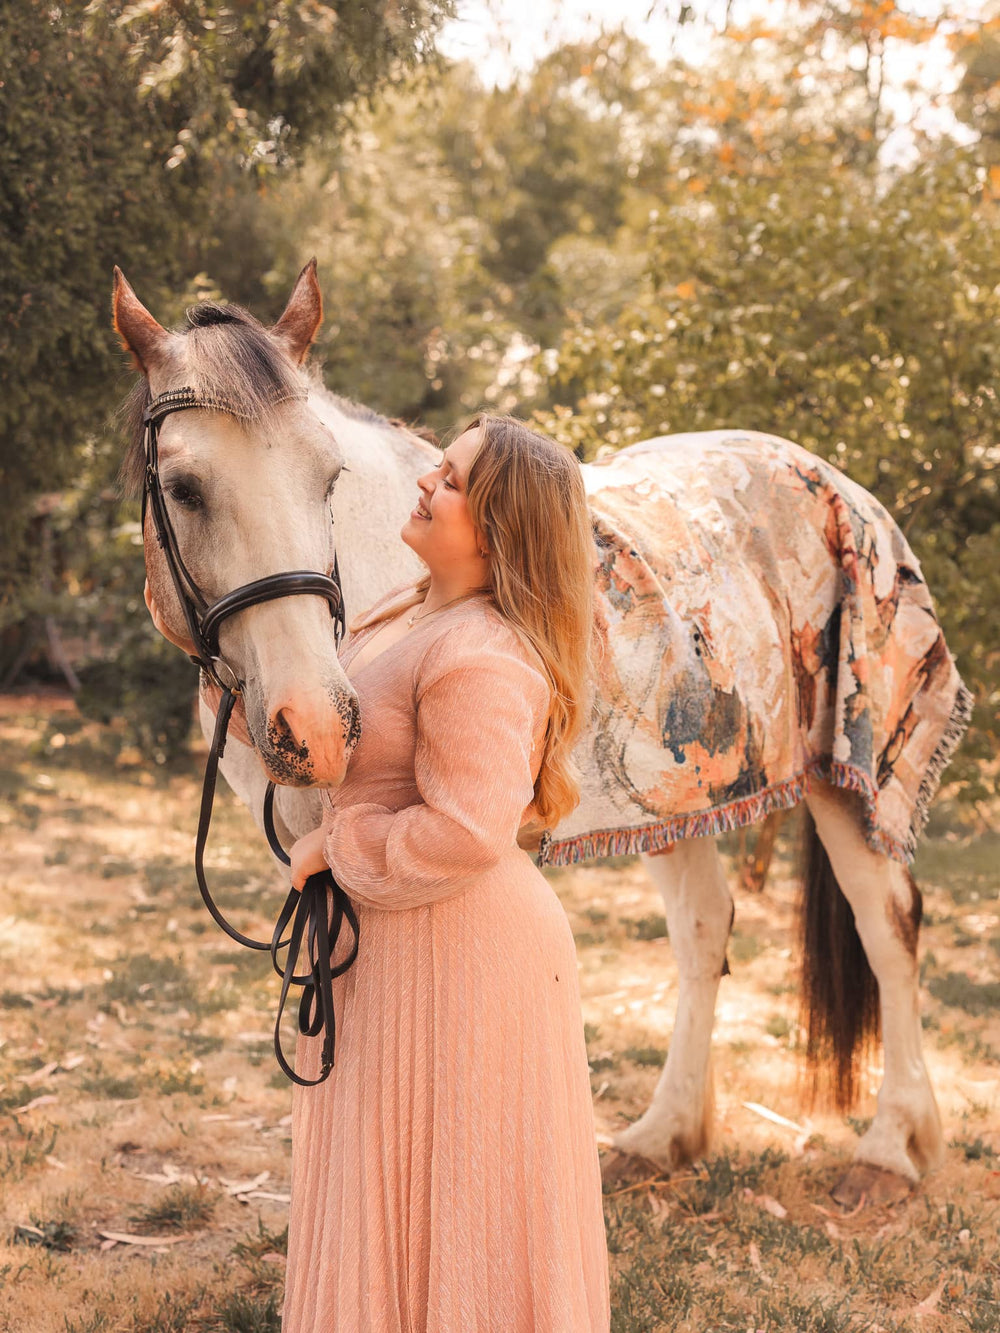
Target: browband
[[175, 400]]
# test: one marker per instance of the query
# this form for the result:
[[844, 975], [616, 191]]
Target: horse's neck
[[374, 495]]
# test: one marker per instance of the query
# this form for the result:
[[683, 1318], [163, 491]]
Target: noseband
[[317, 913]]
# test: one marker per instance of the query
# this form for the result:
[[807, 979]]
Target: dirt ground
[[144, 1130]]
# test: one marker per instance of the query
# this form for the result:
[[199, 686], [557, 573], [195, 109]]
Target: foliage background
[[621, 242]]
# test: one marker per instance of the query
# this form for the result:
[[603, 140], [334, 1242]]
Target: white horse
[[248, 500]]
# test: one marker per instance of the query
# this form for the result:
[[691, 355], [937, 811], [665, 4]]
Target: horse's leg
[[905, 1136], [676, 1127]]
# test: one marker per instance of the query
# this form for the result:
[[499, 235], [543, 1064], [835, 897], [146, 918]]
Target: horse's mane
[[234, 358]]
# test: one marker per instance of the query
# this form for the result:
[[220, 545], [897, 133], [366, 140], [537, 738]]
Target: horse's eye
[[185, 497]]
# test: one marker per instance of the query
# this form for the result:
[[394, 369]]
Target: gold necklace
[[414, 618]]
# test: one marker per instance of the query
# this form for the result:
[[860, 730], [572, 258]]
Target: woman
[[445, 1177]]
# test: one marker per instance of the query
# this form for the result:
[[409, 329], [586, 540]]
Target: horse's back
[[765, 620], [695, 464]]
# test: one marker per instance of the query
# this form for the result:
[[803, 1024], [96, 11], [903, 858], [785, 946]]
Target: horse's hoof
[[866, 1184], [621, 1169]]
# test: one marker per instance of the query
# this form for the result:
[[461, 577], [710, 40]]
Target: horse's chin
[[286, 770], [288, 763]]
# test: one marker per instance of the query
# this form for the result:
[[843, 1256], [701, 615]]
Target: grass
[[648, 1056], [180, 1208], [52, 1235], [241, 1313], [24, 1147], [958, 991], [146, 979], [652, 927], [94, 1321], [178, 1085], [172, 1315], [976, 1151], [114, 1086]]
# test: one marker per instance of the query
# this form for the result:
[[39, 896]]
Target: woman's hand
[[307, 858]]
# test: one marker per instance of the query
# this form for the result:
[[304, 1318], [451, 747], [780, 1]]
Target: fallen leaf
[[774, 1117], [929, 1304], [244, 1186], [858, 1207], [803, 1133], [63, 1066], [40, 1075], [775, 1208], [765, 1201], [47, 1100], [125, 1238], [165, 1178]]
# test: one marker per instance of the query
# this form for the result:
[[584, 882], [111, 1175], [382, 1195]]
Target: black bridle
[[317, 913]]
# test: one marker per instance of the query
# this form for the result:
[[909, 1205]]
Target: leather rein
[[315, 915]]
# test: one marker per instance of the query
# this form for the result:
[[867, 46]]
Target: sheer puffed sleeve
[[480, 708]]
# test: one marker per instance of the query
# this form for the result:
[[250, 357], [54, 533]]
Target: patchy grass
[[179, 1208], [646, 1055], [56, 1234], [136, 1078], [240, 1313], [651, 927], [958, 991]]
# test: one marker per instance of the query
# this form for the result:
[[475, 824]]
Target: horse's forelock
[[211, 312], [230, 356]]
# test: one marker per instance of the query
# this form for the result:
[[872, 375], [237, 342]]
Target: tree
[[120, 123], [851, 311], [977, 100]]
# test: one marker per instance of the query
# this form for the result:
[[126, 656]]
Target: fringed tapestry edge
[[785, 795]]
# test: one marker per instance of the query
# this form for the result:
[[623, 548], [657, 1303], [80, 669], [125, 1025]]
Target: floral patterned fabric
[[761, 622]]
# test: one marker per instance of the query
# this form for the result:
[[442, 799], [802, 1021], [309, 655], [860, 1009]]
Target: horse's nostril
[[283, 725]]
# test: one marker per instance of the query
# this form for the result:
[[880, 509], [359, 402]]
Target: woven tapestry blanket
[[761, 622]]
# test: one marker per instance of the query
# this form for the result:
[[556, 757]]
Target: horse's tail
[[839, 992]]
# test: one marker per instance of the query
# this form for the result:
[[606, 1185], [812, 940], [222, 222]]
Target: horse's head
[[248, 496]]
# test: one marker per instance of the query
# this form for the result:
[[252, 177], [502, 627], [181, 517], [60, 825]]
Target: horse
[[850, 705]]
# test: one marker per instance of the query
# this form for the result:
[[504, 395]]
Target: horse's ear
[[139, 332], [303, 315]]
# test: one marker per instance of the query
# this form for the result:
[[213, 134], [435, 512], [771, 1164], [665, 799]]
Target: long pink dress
[[445, 1178]]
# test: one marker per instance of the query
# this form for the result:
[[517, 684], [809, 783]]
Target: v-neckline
[[402, 638]]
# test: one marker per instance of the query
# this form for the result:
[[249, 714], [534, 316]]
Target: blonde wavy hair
[[526, 498]]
